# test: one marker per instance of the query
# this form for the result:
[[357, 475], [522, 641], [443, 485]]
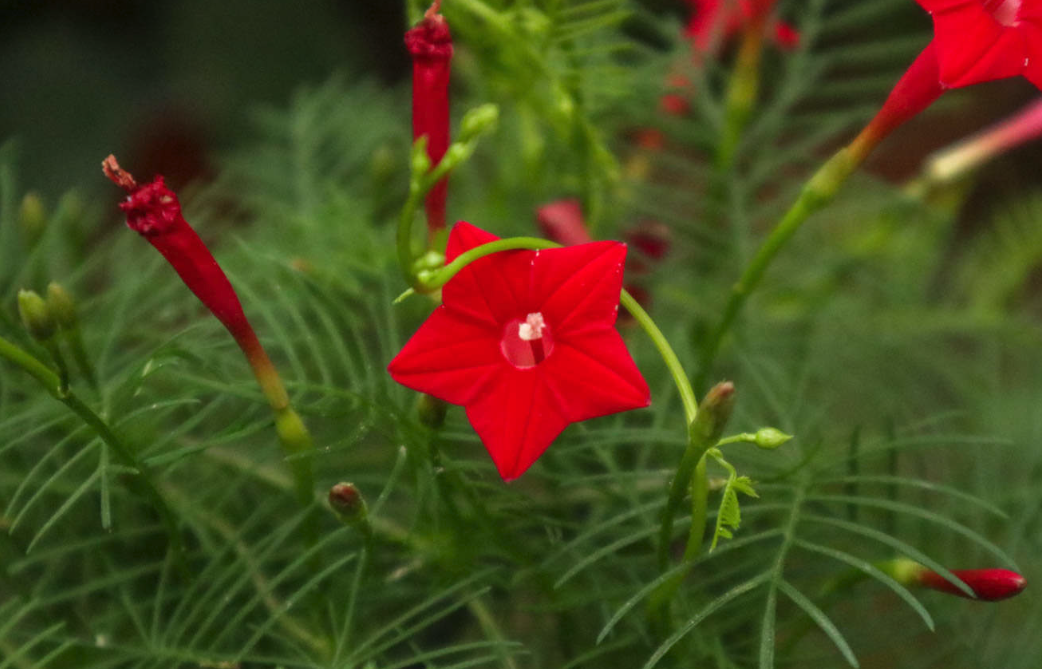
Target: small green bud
[[383, 163], [478, 121], [36, 317], [431, 411], [347, 503], [430, 261], [420, 161], [714, 411], [32, 218], [61, 306], [771, 438]]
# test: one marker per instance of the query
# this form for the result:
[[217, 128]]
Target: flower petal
[[578, 287], [492, 290], [517, 418], [592, 374], [972, 45], [451, 358], [1032, 32]]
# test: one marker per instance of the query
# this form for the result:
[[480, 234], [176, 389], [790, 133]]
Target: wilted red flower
[[525, 341], [154, 212], [430, 45], [982, 40], [990, 585]]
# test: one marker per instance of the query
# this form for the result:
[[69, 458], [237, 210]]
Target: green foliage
[[902, 361]]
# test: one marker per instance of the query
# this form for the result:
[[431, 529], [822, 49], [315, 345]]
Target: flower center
[[526, 343], [1004, 11]]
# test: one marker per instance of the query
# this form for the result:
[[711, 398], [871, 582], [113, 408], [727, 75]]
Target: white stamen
[[532, 328]]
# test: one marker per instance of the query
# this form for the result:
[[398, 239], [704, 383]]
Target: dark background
[[166, 84]]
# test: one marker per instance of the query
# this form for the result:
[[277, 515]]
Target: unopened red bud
[[430, 45], [347, 502], [990, 585]]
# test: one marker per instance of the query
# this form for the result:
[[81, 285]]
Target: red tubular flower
[[525, 341], [990, 585], [974, 41], [154, 212], [430, 45]]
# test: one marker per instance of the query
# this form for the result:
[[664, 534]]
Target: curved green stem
[[438, 278], [142, 483]]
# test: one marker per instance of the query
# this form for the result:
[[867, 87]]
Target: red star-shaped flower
[[981, 40], [525, 340]]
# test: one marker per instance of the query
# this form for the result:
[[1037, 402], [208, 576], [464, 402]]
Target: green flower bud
[[61, 306], [36, 317], [421, 162], [32, 218], [714, 411], [431, 411], [770, 438], [478, 121]]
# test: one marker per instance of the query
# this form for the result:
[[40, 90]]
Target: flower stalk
[[915, 91]]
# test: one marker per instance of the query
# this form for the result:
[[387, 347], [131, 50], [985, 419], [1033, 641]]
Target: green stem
[[142, 482], [741, 95], [438, 278], [79, 353], [821, 188], [676, 370]]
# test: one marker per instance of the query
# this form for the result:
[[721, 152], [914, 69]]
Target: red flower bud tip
[[990, 585], [430, 45], [153, 211], [562, 221]]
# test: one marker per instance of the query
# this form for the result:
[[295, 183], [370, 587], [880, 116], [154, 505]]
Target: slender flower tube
[[430, 45], [154, 212], [958, 159]]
